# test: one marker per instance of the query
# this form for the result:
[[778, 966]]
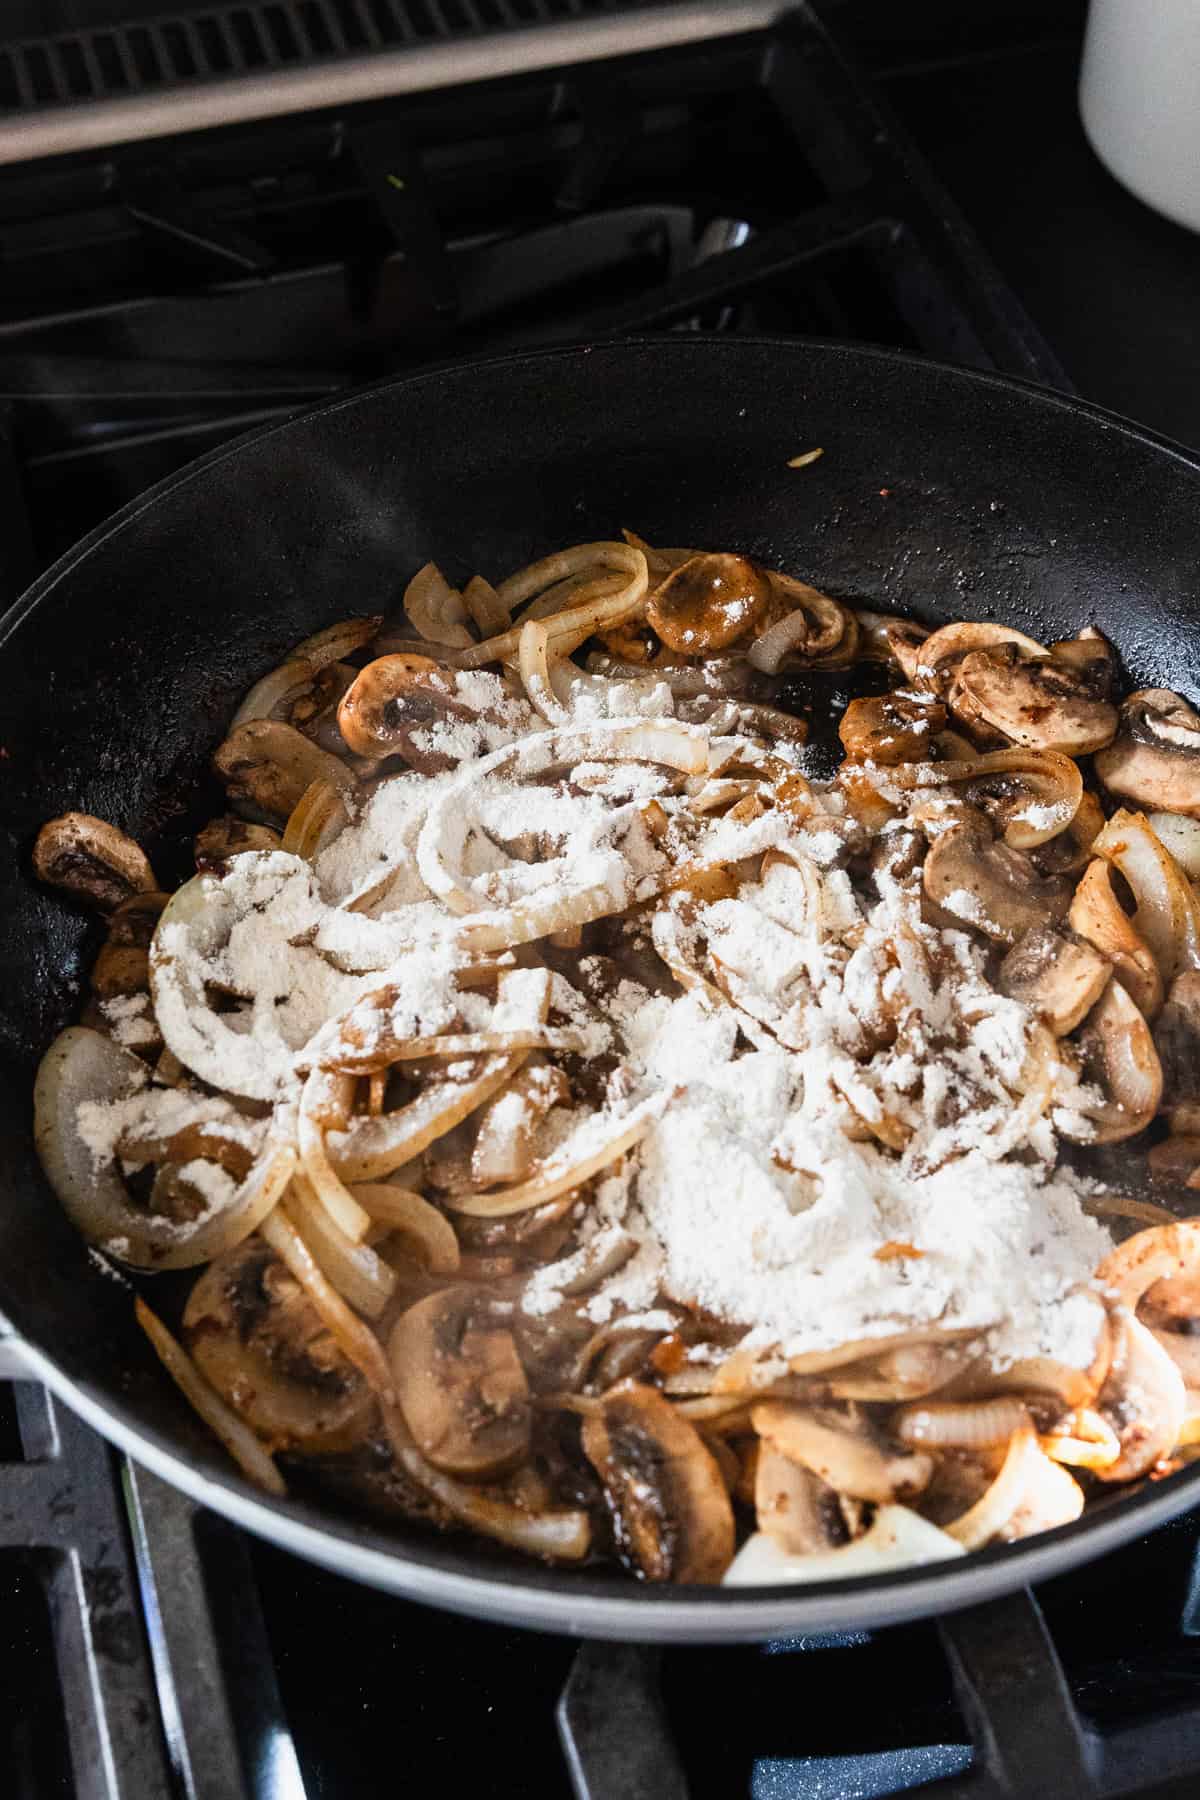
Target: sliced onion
[[558, 1534], [403, 1211], [436, 609], [898, 1539], [83, 1065], [576, 1159], [324, 1103], [237, 1437], [203, 912], [597, 614], [461, 1043], [580, 590], [795, 632], [957, 1425], [1180, 837], [1166, 914], [317, 818], [669, 742], [486, 607], [1084, 1441], [355, 1340], [535, 673], [352, 1267], [334, 643], [996, 1507], [269, 698], [370, 1148]]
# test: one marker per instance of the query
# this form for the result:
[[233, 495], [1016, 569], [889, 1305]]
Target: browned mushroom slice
[[974, 878], [708, 603], [840, 1445], [230, 836], [1117, 1057], [943, 650], [891, 728], [91, 860], [670, 1506], [794, 1506], [254, 1334], [400, 706], [1032, 701], [1155, 759], [1097, 915], [1177, 1040], [1090, 656], [267, 765], [1056, 975], [460, 1383]]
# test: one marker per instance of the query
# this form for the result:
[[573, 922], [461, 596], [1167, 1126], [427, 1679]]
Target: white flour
[[844, 1156]]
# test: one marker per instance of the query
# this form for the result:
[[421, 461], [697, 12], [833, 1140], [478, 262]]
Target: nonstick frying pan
[[941, 492]]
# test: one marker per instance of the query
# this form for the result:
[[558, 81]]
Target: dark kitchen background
[[914, 175]]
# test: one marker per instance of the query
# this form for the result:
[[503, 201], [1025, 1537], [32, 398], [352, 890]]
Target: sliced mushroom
[[1177, 1040], [670, 1506], [1054, 974], [267, 765], [230, 836], [394, 706], [460, 1384], [982, 882], [840, 1446], [255, 1335], [1155, 759], [1092, 658], [1117, 1056], [943, 650], [1165, 909], [91, 860], [708, 603], [1097, 915], [794, 1506], [1032, 701], [891, 728], [804, 623]]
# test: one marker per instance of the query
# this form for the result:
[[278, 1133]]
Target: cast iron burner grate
[[158, 300], [168, 1675]]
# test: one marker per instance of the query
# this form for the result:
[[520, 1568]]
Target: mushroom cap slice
[[460, 1384], [1118, 1056], [990, 886], [1033, 701], [794, 1506], [228, 836], [267, 766], [1055, 975], [393, 704], [91, 860], [1155, 759], [891, 728], [708, 603], [944, 648], [255, 1335], [841, 1448], [670, 1505], [1097, 915], [1177, 1040]]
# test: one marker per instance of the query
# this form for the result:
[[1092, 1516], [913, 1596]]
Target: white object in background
[[1139, 96]]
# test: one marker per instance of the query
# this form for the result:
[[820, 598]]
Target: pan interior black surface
[[941, 493]]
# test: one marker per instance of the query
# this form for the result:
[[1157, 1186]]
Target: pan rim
[[566, 1600]]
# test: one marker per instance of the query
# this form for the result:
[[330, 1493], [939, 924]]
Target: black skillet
[[941, 492]]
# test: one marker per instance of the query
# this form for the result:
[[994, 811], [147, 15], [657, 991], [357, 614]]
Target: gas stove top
[[161, 293]]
